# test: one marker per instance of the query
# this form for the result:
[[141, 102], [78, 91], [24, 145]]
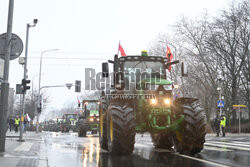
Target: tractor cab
[[91, 110], [132, 73]]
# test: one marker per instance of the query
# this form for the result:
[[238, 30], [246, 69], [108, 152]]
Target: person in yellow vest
[[17, 120], [223, 124]]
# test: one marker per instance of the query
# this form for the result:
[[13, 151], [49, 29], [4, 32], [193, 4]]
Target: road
[[67, 149]]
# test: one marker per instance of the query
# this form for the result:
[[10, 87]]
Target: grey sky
[[89, 29]]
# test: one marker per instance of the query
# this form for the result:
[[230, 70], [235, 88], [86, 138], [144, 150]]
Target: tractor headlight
[[97, 119], [167, 101], [91, 119], [153, 101], [168, 87]]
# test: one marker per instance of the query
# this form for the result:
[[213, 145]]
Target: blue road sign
[[220, 103]]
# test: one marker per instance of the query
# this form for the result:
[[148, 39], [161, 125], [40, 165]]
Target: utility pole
[[25, 77], [5, 84]]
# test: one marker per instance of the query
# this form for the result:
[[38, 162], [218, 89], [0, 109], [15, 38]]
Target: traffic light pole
[[24, 77]]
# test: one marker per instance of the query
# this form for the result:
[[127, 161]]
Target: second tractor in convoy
[[69, 122], [88, 119]]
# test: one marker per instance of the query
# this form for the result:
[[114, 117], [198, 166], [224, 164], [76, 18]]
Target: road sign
[[220, 103], [239, 108], [16, 46], [69, 85]]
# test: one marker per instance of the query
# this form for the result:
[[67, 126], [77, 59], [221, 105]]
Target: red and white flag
[[121, 50], [78, 101], [169, 56]]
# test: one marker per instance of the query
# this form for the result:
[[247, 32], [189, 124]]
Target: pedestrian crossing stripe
[[233, 144], [246, 143], [24, 146], [228, 145]]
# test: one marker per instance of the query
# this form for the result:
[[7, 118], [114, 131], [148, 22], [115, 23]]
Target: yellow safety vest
[[17, 121], [223, 122]]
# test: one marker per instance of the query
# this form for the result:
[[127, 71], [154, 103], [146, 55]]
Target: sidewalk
[[230, 134], [30, 153]]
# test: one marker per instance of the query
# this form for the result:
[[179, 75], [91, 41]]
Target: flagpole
[[118, 48]]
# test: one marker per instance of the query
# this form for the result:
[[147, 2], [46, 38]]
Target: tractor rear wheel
[[81, 132], [103, 129], [120, 129], [162, 140], [191, 136]]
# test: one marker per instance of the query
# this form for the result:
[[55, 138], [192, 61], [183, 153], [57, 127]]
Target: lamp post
[[25, 76], [39, 89]]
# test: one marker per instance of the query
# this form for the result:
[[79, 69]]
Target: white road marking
[[226, 146], [185, 156], [142, 145], [201, 160], [24, 146], [247, 143], [231, 144], [216, 148]]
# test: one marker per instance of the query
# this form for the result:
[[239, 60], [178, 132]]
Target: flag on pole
[[78, 101], [121, 50], [28, 118], [169, 56]]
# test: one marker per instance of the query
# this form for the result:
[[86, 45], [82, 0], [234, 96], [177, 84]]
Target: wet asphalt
[[67, 149]]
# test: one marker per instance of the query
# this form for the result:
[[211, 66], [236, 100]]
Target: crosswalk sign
[[220, 103]]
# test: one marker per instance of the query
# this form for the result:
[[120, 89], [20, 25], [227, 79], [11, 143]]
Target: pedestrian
[[25, 123], [217, 125], [17, 120], [223, 124], [11, 124]]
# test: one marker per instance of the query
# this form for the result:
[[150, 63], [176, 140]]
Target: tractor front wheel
[[190, 138], [120, 129]]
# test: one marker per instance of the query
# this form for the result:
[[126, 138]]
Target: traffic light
[[77, 86], [25, 85]]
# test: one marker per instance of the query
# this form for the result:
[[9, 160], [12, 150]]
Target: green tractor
[[68, 123], [140, 99], [88, 119]]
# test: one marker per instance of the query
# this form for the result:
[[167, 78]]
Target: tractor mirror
[[105, 70], [111, 61], [184, 69]]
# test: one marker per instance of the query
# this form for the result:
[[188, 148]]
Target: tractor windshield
[[143, 66], [93, 108], [136, 71], [71, 116]]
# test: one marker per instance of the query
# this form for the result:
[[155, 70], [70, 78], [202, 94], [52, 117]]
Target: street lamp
[[25, 74], [39, 89]]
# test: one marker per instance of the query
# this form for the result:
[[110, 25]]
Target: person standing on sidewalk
[[17, 120], [11, 124], [223, 124], [25, 123], [217, 125]]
